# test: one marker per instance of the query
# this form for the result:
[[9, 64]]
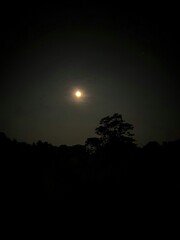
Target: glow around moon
[[78, 94]]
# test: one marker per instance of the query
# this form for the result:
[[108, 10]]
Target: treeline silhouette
[[109, 168]]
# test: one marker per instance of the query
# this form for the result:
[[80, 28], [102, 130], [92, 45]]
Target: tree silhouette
[[92, 145], [113, 129]]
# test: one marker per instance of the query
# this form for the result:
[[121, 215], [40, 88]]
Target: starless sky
[[123, 60]]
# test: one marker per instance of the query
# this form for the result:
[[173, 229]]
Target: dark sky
[[124, 60]]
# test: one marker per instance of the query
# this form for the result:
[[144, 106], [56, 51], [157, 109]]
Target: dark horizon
[[124, 61]]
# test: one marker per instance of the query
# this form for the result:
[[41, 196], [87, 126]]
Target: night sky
[[123, 60]]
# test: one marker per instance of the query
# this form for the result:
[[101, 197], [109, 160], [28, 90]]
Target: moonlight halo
[[78, 94]]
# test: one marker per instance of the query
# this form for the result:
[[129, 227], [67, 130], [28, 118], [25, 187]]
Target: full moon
[[78, 94]]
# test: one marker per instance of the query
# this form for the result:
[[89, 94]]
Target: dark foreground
[[70, 178]]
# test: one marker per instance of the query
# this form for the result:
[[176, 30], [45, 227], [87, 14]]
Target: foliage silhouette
[[92, 145], [115, 129], [113, 133], [106, 168]]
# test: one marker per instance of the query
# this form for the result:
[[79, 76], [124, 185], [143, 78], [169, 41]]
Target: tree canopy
[[111, 130], [114, 128]]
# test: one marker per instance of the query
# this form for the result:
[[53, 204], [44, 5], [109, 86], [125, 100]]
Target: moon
[[78, 94]]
